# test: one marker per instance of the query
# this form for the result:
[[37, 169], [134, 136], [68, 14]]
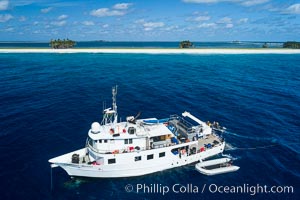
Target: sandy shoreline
[[154, 51]]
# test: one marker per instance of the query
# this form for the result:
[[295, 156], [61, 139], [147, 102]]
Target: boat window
[[91, 142], [149, 157], [105, 141], [116, 134], [100, 141], [131, 130], [137, 158], [128, 141], [111, 161], [175, 151], [162, 154]]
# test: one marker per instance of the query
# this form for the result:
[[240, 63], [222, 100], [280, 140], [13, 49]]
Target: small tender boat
[[216, 166]]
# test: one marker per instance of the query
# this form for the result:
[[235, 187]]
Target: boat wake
[[230, 157], [266, 139], [229, 147], [271, 142]]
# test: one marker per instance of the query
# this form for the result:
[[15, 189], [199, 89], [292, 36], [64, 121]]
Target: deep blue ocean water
[[48, 102]]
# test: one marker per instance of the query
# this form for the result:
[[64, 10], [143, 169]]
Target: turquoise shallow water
[[48, 102]]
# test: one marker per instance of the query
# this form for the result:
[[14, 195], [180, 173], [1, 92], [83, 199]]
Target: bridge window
[[91, 142]]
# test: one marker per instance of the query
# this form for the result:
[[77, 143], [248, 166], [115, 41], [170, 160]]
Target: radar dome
[[95, 128]]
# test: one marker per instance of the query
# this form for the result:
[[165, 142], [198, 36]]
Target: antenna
[[114, 93], [114, 104], [111, 115]]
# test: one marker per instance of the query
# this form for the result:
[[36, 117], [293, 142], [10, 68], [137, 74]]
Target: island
[[291, 45], [186, 44], [154, 50], [62, 44], [265, 45]]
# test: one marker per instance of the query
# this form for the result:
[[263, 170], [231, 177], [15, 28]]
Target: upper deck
[[127, 130]]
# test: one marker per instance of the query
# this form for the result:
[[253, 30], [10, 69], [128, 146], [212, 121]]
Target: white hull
[[127, 167], [217, 171], [137, 147]]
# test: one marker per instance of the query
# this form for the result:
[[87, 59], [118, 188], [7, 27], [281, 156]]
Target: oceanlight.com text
[[208, 188], [250, 189]]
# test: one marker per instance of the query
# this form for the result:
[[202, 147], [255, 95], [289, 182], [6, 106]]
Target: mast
[[111, 115], [114, 104]]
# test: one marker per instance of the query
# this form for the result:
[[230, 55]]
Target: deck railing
[[117, 151]]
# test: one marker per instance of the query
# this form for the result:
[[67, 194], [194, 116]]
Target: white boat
[[216, 166], [137, 147]]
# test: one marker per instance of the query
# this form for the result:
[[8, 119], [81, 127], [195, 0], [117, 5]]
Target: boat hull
[[138, 168]]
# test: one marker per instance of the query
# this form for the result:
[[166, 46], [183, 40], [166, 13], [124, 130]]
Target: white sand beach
[[155, 51]]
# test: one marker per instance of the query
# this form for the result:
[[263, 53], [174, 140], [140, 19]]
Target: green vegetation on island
[[62, 44], [292, 45], [186, 44], [265, 45]]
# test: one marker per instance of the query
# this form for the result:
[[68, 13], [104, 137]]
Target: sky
[[150, 20]]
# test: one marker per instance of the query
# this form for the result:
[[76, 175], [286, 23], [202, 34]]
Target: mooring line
[[249, 137], [252, 148]]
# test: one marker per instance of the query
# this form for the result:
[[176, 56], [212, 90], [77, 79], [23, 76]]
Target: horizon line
[[252, 41]]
